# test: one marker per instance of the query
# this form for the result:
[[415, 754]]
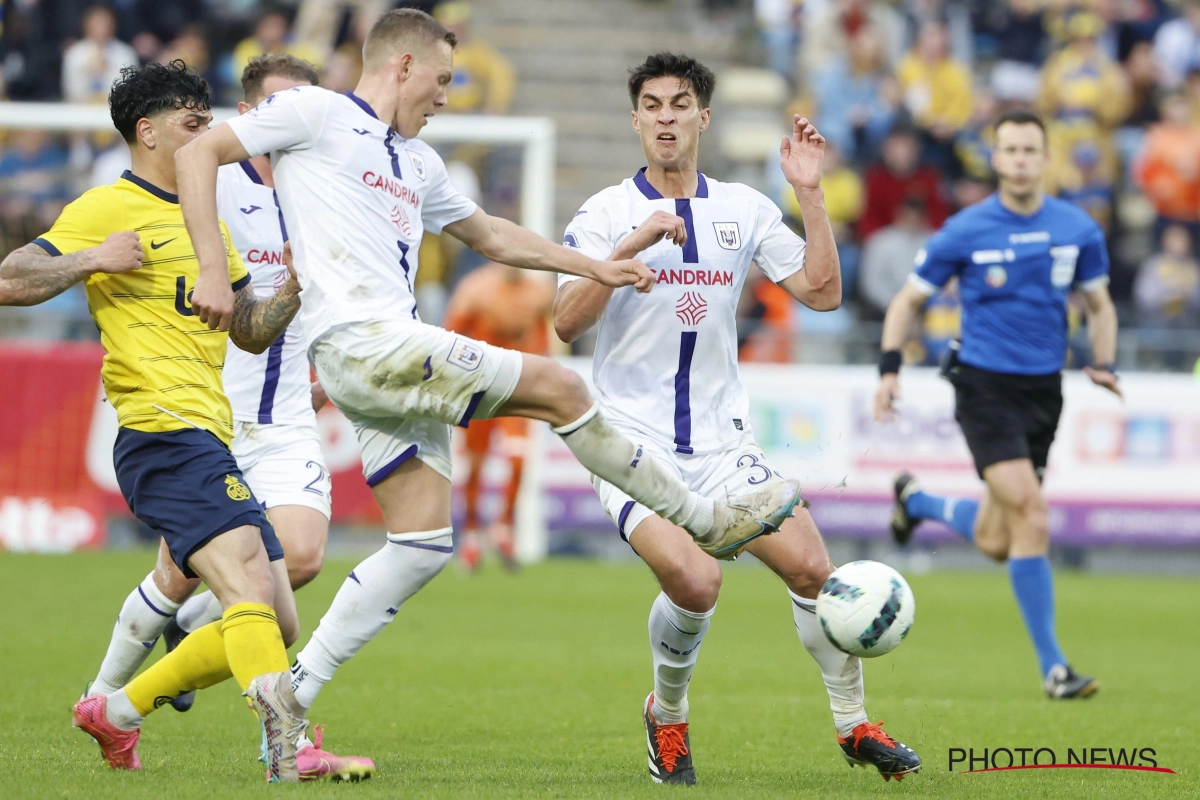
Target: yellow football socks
[[198, 662], [253, 643]]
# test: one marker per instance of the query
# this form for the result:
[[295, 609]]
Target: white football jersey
[[666, 361], [356, 198], [271, 387]]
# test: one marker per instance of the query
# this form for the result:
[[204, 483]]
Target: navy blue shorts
[[186, 486]]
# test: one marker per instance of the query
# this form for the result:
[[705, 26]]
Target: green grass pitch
[[531, 686]]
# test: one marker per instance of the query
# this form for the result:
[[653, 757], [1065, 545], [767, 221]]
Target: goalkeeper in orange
[[506, 307]]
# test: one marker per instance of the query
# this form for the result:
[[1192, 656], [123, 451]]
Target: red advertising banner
[[57, 484]]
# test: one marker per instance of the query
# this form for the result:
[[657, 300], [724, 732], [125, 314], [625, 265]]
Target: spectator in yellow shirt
[[484, 81], [272, 34], [937, 91]]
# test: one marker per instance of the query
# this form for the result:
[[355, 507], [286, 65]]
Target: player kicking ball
[[1017, 256], [275, 442], [666, 370], [352, 176], [162, 372]]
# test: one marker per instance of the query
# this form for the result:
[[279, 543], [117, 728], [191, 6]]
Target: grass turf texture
[[530, 686]]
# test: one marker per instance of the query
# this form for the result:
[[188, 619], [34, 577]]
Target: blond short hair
[[402, 30], [282, 65]]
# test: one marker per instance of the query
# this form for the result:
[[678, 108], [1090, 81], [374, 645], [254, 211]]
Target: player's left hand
[[212, 301], [801, 156], [1105, 380], [629, 272]]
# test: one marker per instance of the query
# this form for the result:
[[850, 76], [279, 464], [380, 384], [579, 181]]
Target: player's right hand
[[120, 252], [212, 302], [652, 231], [886, 397], [629, 272]]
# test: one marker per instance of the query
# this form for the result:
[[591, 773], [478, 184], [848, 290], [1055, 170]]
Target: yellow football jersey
[[162, 365]]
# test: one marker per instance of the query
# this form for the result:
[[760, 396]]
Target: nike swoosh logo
[[156, 245]]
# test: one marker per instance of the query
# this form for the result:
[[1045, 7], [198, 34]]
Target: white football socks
[[120, 711], [143, 616], [842, 672], [675, 636], [199, 611], [606, 453], [368, 600]]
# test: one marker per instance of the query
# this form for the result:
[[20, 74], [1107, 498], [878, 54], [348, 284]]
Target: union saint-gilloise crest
[[236, 489]]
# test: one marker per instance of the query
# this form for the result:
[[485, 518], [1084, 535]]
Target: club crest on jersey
[[418, 163], [997, 276], [465, 354], [728, 235], [570, 241], [691, 308], [236, 489]]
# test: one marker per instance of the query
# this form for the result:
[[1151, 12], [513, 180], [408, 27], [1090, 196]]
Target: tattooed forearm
[[30, 275], [257, 323]]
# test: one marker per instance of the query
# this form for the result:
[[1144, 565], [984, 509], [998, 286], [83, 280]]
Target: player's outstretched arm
[[580, 304], [509, 243], [819, 284], [896, 324], [1102, 331], [30, 275], [255, 324], [196, 166]]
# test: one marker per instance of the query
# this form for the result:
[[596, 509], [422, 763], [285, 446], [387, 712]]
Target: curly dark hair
[[149, 90], [688, 70]]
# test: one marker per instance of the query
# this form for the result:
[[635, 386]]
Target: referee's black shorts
[[1005, 417]]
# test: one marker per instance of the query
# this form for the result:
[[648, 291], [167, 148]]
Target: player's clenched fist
[[212, 301], [629, 272], [652, 231], [120, 252]]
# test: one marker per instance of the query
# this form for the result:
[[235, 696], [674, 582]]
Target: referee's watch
[[1109, 367]]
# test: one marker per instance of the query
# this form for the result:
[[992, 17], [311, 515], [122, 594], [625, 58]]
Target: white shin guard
[[143, 617], [368, 600], [675, 637], [607, 454], [842, 672]]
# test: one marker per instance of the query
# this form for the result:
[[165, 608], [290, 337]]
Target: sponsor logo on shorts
[[236, 489], [466, 354]]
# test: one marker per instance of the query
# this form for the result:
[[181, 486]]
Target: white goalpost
[[536, 138]]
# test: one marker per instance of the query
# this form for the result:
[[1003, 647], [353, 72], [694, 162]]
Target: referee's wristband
[[1109, 367], [889, 362]]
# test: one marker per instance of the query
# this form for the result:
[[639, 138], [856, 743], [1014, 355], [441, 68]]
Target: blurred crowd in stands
[[904, 90], [906, 93]]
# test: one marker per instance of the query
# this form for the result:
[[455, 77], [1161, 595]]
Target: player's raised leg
[[797, 554], [552, 393]]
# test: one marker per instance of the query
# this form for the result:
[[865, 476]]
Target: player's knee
[[570, 395], [695, 589], [993, 549], [809, 574], [304, 563]]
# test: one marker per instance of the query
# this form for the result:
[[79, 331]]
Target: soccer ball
[[866, 608]]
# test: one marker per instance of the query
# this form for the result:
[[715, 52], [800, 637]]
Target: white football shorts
[[283, 464], [736, 471], [403, 383]]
